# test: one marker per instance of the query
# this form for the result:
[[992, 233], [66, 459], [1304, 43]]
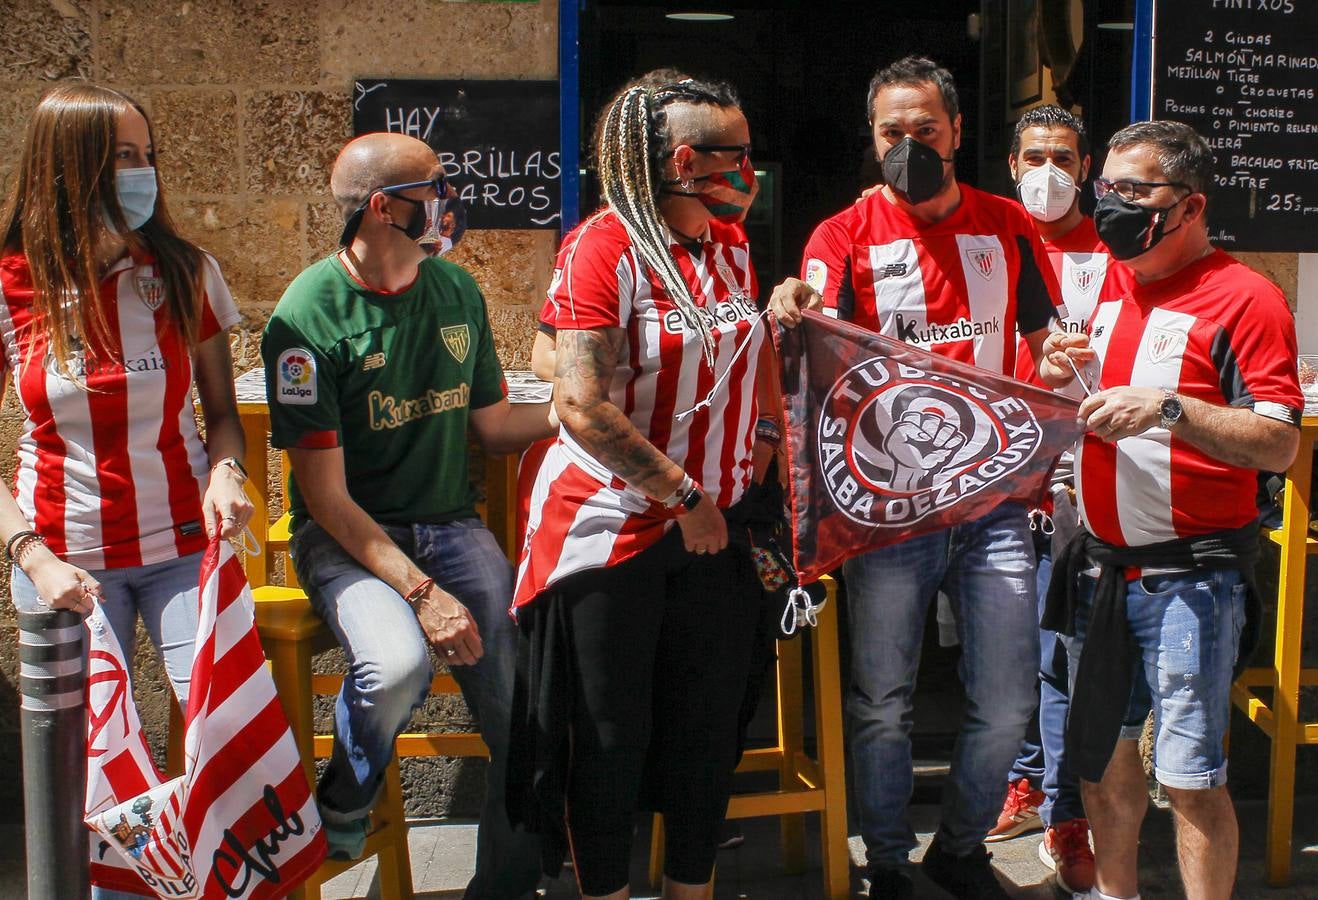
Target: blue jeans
[[1187, 626], [165, 595], [389, 675], [986, 568], [1042, 759]]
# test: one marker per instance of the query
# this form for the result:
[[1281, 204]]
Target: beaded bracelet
[[21, 551]]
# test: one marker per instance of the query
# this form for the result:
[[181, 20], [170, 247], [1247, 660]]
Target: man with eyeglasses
[[378, 360], [1196, 390], [959, 272]]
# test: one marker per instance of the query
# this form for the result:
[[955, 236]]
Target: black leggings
[[662, 646]]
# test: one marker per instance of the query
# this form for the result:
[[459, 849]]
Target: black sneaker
[[968, 877], [890, 883]]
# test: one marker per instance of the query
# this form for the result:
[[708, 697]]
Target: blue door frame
[[569, 108]]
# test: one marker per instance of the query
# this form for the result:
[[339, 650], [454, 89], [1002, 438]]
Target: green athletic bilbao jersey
[[390, 378]]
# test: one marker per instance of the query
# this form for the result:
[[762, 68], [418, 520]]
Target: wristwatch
[[691, 500], [1170, 410]]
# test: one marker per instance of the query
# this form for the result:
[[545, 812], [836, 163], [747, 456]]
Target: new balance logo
[[962, 329], [891, 270]]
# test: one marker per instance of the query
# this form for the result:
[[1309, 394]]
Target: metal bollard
[[53, 678]]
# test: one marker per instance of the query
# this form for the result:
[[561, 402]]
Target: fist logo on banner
[[914, 444]]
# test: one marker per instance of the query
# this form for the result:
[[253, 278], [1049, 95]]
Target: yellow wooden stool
[[290, 635], [804, 784], [1277, 711]]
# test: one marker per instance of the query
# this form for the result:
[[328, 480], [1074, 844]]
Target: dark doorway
[[802, 70]]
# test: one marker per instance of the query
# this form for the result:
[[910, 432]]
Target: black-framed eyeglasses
[[1132, 190], [743, 151], [439, 183]]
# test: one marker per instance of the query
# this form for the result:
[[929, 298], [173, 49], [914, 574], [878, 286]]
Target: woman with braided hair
[[639, 616]]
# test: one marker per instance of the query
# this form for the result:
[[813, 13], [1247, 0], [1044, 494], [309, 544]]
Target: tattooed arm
[[584, 367]]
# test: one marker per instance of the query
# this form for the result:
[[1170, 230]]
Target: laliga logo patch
[[816, 274], [296, 383], [897, 443]]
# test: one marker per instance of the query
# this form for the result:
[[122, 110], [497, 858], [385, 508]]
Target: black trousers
[[661, 647]]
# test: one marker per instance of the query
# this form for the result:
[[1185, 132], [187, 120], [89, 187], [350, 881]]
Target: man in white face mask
[[1049, 162]]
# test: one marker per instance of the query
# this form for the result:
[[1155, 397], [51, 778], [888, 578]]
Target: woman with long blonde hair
[[108, 318]]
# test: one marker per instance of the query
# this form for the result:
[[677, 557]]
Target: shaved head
[[697, 123], [375, 160]]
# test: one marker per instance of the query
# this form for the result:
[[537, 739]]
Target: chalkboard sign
[[497, 140], [1244, 73]]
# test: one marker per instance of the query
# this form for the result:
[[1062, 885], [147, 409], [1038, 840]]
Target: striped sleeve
[[595, 280], [220, 312]]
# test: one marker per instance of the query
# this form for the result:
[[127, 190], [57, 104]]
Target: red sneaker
[[1020, 813], [1065, 847]]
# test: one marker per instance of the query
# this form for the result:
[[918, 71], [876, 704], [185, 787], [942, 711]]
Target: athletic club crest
[[1164, 343], [457, 338], [897, 443], [983, 261], [1084, 278], [151, 288], [729, 278]]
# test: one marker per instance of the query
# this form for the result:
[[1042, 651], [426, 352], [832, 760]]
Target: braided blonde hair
[[633, 144]]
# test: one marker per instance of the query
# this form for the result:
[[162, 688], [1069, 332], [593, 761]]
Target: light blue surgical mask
[[136, 189]]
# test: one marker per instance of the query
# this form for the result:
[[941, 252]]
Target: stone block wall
[[250, 101]]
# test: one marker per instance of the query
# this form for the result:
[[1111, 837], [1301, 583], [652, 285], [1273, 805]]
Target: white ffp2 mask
[[1046, 192]]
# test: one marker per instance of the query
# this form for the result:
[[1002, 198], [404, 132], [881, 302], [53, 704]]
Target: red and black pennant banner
[[886, 441]]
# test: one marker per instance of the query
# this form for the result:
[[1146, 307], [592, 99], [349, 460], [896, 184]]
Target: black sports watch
[[692, 498], [1170, 410]]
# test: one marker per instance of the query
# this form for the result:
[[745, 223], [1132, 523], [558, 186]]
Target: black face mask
[[914, 170], [1128, 229], [416, 226]]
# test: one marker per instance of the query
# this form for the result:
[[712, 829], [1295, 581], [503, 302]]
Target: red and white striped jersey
[[1088, 275], [961, 287], [582, 515], [112, 471], [1216, 331]]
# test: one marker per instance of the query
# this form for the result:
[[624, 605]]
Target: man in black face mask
[[956, 271], [1197, 390], [379, 362]]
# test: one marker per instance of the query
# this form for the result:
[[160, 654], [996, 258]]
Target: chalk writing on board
[[498, 141], [1244, 73]]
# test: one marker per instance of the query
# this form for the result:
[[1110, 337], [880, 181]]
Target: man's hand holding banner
[[886, 441]]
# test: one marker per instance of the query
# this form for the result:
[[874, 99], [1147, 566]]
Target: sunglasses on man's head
[[439, 183], [743, 151]]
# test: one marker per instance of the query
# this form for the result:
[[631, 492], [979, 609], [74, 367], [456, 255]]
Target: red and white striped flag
[[241, 821]]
